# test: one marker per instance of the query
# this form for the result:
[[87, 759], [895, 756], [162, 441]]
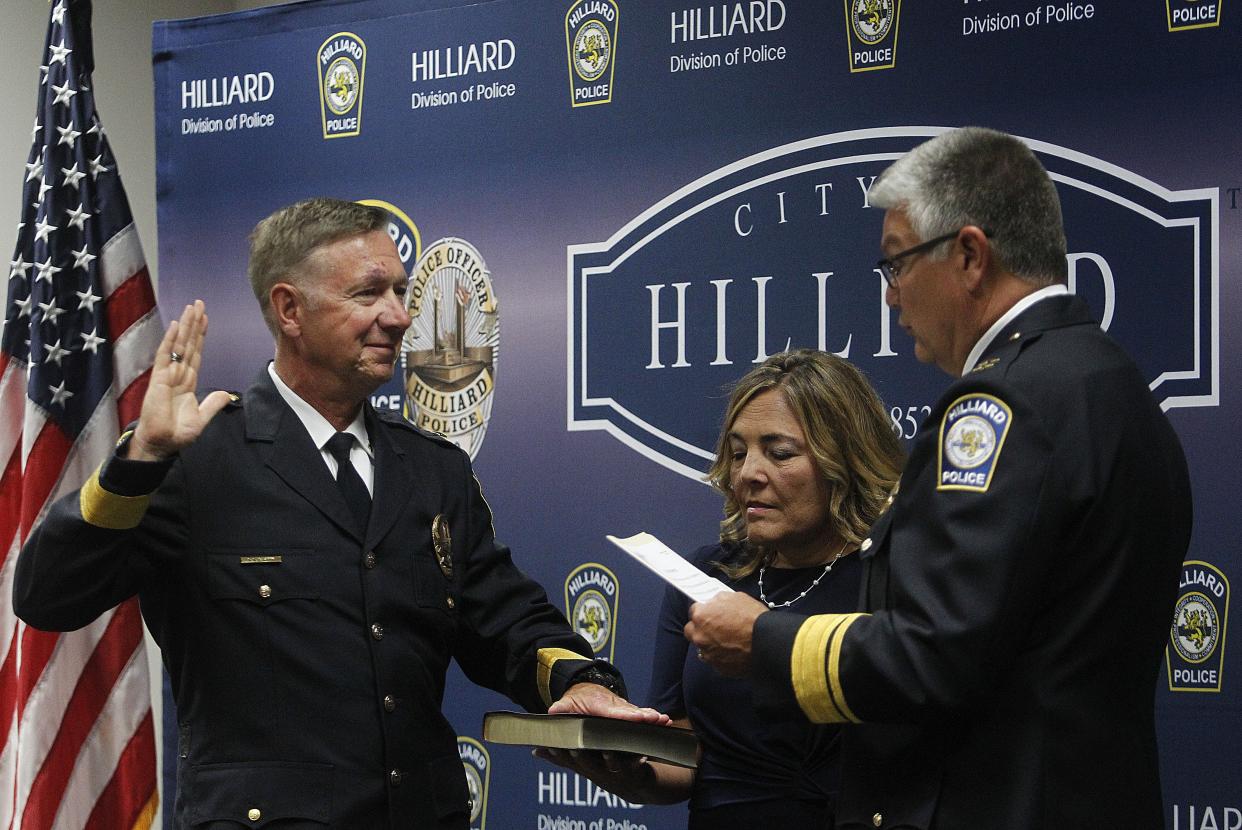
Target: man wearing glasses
[[1018, 592]]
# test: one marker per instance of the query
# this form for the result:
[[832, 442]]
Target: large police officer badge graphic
[[450, 348], [1195, 655], [342, 61], [478, 767], [591, 43], [591, 606], [872, 33]]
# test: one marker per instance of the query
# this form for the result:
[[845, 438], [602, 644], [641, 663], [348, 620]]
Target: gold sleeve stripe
[[106, 509], [814, 667], [834, 667], [547, 658]]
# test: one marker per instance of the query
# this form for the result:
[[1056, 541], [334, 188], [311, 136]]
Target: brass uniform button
[[451, 603], [368, 561], [390, 703], [877, 819], [1015, 336], [265, 591], [377, 631], [394, 778], [866, 545], [254, 814]]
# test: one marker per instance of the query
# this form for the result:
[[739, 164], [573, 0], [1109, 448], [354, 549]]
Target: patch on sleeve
[[972, 434]]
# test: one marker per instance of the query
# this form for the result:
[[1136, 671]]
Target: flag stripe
[[48, 697], [118, 720], [120, 258], [129, 405], [12, 403], [132, 300], [8, 684], [132, 352], [42, 470], [122, 804], [115, 647]]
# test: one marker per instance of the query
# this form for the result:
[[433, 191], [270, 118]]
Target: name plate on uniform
[[262, 560]]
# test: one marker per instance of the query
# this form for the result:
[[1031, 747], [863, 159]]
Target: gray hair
[[282, 242], [977, 176]]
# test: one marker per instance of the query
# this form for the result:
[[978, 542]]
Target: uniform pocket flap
[[263, 576], [256, 794]]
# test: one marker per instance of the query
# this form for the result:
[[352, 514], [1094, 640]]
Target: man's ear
[[975, 256], [288, 306]]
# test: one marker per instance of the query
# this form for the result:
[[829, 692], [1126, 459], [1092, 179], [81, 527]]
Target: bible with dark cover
[[670, 744]]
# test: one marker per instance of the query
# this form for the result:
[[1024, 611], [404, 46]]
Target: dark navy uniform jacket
[[307, 661], [1018, 596]]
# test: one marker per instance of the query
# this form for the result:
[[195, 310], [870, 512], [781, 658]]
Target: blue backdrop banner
[[610, 209]]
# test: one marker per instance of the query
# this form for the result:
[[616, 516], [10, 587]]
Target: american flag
[[80, 330]]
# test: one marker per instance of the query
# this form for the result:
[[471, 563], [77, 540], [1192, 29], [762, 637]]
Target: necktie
[[348, 480]]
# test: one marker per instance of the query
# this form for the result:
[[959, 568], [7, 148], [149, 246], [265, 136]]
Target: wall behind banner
[[611, 209]]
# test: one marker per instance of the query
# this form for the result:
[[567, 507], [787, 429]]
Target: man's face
[[355, 314], [926, 295]]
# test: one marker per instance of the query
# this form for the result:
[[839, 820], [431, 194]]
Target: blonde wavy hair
[[848, 434]]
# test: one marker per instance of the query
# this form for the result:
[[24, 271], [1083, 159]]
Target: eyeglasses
[[890, 268]]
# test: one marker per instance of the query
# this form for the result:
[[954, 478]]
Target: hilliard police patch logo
[[971, 436], [1196, 651], [1193, 14], [478, 766], [872, 33], [451, 345], [591, 44], [342, 68], [591, 606]]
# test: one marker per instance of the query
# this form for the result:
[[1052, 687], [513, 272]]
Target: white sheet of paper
[[670, 567]]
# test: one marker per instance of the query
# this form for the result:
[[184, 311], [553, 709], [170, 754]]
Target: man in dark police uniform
[[306, 629], [1018, 591]]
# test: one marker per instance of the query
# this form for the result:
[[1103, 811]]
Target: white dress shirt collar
[[317, 426], [1020, 306]]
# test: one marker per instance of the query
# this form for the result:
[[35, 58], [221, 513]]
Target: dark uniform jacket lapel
[[1051, 313], [394, 485], [291, 454]]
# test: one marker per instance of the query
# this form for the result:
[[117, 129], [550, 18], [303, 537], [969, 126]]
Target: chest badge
[[442, 540]]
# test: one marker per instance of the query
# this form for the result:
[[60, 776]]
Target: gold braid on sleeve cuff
[[548, 657], [103, 508], [815, 668]]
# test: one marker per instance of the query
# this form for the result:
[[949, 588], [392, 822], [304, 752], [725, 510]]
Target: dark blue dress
[[752, 770]]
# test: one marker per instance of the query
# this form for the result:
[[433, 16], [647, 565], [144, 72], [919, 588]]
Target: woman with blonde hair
[[806, 461]]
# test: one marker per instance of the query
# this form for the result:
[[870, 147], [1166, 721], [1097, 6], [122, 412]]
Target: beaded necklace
[[809, 588]]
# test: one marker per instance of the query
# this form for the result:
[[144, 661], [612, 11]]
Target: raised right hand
[[172, 417]]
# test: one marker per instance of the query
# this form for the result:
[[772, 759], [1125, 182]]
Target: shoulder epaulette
[[1006, 352]]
